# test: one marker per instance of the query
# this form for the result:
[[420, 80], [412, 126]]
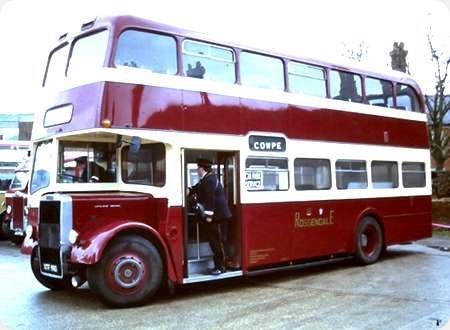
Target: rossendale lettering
[[312, 222]]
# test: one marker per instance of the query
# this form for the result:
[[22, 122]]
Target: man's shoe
[[218, 271]]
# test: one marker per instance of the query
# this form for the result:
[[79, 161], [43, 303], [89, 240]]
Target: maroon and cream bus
[[319, 161], [16, 217]]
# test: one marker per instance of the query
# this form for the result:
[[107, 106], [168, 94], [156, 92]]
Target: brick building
[[16, 126]]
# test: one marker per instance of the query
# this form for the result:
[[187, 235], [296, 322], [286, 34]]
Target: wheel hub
[[364, 240], [128, 272]]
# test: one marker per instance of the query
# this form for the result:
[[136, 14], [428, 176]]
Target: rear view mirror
[[135, 144]]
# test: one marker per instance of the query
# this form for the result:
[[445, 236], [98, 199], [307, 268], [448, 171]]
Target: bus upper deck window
[[88, 53], [261, 71], [345, 86], [56, 68], [379, 92], [407, 98], [307, 79], [208, 61], [146, 50]]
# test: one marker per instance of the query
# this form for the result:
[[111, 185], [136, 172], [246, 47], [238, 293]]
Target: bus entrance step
[[201, 277], [202, 265], [198, 251]]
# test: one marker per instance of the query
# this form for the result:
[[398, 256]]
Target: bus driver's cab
[[197, 249]]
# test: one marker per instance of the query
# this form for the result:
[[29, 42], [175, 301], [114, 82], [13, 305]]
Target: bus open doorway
[[199, 256]]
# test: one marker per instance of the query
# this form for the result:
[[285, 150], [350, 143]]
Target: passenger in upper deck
[[96, 171], [196, 72]]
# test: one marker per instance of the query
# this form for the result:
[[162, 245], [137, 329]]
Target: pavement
[[438, 241], [408, 289]]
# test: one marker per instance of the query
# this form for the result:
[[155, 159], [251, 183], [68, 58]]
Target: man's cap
[[81, 159], [203, 162]]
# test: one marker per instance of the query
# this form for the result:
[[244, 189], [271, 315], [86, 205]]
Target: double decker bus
[[318, 161]]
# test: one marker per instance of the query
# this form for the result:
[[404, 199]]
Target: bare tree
[[438, 106], [356, 52]]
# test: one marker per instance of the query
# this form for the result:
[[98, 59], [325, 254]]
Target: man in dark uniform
[[210, 194], [81, 171]]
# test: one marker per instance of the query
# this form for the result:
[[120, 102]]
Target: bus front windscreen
[[40, 177]]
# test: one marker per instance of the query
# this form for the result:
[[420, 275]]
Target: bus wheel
[[4, 230], [129, 273], [49, 282], [369, 241]]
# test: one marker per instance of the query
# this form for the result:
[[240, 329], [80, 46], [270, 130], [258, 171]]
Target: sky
[[313, 28]]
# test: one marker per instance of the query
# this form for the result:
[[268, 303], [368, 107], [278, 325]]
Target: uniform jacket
[[211, 195]]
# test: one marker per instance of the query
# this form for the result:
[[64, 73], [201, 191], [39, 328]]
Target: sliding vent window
[[145, 50], [384, 175], [263, 174], [307, 79], [413, 175], [380, 92], [351, 174], [345, 86], [312, 174], [261, 71], [208, 61]]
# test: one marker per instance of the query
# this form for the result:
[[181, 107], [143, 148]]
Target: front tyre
[[49, 282], [4, 228], [369, 241], [129, 273]]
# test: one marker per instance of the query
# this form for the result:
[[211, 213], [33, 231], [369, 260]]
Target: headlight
[[29, 230], [8, 209], [73, 236]]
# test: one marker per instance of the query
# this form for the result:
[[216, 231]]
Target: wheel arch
[[92, 246], [373, 213], [369, 238], [150, 236]]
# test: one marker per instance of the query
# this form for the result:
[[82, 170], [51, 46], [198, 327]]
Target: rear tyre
[[369, 241], [49, 282], [129, 273]]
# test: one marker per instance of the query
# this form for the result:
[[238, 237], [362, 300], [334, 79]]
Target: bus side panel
[[206, 112], [139, 106], [267, 233], [280, 233], [173, 233], [409, 219], [320, 124]]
